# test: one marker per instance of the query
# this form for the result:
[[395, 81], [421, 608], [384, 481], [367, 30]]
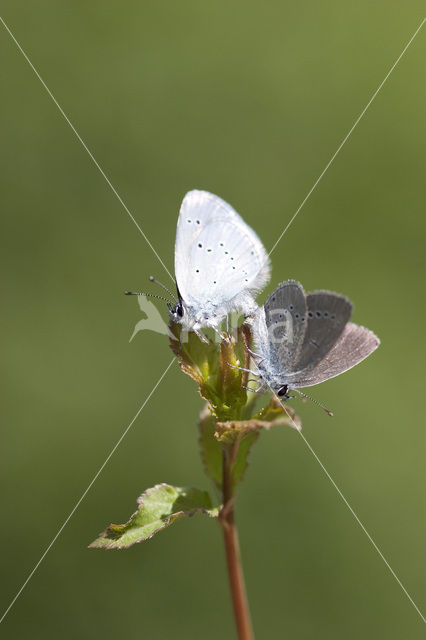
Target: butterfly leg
[[252, 353], [252, 390], [230, 331], [233, 366], [202, 337]]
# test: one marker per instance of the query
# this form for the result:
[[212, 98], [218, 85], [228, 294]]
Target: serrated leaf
[[158, 508]]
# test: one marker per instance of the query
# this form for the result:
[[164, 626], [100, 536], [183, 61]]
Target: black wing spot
[[189, 220], [318, 314], [220, 244], [310, 314], [333, 316], [200, 245], [208, 250], [197, 221], [296, 315], [291, 307], [197, 271], [325, 314]]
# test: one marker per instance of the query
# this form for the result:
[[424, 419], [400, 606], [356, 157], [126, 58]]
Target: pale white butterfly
[[220, 263]]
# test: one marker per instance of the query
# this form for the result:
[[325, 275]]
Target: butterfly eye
[[179, 310]]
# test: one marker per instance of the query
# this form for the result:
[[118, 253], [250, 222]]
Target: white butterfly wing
[[217, 255]]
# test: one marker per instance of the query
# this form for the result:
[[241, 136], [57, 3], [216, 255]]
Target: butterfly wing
[[327, 315], [354, 344], [217, 255], [285, 317]]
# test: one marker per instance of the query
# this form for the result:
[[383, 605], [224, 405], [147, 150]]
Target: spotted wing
[[354, 344], [327, 315], [217, 255]]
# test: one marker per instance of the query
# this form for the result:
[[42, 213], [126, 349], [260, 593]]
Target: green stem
[[232, 548]]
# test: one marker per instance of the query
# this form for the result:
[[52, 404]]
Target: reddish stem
[[233, 558]]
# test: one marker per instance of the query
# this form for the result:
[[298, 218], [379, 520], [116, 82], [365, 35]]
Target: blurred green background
[[248, 100]]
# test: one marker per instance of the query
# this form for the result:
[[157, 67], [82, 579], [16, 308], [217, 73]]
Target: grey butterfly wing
[[327, 315], [285, 317], [353, 345]]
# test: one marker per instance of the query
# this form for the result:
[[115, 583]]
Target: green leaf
[[199, 360], [210, 448], [240, 435], [158, 508], [209, 365]]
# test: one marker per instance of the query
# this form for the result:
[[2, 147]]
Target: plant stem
[[233, 558]]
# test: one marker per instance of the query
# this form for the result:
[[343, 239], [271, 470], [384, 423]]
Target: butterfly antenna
[[330, 413], [163, 286], [148, 295]]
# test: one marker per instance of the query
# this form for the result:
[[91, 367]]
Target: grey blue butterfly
[[303, 339]]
